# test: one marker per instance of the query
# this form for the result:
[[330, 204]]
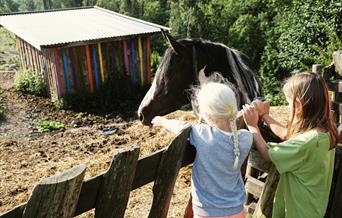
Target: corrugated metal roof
[[49, 28]]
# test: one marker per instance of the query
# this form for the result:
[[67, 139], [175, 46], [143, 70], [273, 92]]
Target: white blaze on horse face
[[148, 97]]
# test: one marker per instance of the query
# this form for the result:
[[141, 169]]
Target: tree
[[8, 6]]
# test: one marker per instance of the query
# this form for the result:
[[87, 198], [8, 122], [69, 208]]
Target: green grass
[[8, 50], [49, 126]]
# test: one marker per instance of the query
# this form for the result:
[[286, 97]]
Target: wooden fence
[[333, 77], [67, 195]]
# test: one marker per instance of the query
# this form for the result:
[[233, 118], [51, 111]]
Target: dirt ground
[[27, 156]]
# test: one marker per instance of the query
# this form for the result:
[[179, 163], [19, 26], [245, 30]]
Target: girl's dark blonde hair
[[312, 92]]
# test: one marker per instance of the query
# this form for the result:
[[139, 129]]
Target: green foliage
[[60, 103], [281, 37], [155, 60], [300, 34], [29, 81], [7, 6], [325, 54], [48, 126], [8, 52]]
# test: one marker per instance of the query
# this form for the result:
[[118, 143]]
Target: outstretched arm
[[251, 117], [174, 126]]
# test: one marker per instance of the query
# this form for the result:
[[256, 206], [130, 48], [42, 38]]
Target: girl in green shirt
[[305, 159]]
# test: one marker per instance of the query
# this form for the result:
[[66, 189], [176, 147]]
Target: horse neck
[[211, 56]]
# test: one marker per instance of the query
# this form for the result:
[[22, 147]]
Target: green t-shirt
[[305, 165]]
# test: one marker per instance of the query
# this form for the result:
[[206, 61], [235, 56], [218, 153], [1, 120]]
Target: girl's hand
[[158, 121], [250, 115], [263, 107]]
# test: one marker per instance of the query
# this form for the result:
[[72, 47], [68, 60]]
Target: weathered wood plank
[[265, 204], [335, 85], [116, 184], [254, 186], [317, 68], [16, 212], [167, 174], [56, 196], [147, 168], [146, 171], [256, 161], [334, 209], [88, 195], [337, 59]]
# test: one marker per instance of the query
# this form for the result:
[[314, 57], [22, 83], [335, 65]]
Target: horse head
[[179, 69], [168, 90]]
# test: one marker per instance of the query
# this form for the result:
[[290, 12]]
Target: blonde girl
[[305, 160], [217, 186]]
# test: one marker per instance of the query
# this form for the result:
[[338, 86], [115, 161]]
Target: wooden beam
[[265, 204], [317, 68], [335, 85], [337, 59], [116, 184], [168, 169], [256, 161], [56, 196], [146, 171], [254, 186], [334, 209]]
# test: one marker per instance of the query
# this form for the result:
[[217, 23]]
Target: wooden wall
[[86, 68]]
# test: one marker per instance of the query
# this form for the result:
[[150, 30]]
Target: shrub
[[29, 81], [48, 126], [302, 33], [155, 60]]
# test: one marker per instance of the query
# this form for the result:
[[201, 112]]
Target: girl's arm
[[263, 109], [174, 126], [251, 117], [277, 128]]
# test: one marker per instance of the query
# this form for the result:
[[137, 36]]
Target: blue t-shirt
[[217, 189]]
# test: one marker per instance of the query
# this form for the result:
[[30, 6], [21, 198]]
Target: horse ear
[[176, 46], [201, 77]]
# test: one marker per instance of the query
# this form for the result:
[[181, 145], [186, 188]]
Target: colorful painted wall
[[86, 68]]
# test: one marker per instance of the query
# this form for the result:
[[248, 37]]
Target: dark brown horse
[[179, 70]]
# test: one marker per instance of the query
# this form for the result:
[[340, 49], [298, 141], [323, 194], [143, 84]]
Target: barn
[[78, 50]]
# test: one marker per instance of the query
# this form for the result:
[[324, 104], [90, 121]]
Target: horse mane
[[235, 65]]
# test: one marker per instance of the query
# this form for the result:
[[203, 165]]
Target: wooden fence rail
[[108, 192], [67, 195]]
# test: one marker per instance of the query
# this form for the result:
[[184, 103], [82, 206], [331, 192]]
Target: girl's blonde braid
[[232, 113]]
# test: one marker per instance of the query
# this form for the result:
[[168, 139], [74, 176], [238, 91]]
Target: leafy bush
[[60, 103], [48, 126], [325, 54], [301, 33], [29, 81], [155, 60]]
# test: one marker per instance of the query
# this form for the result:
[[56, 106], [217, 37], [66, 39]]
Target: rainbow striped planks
[[86, 68]]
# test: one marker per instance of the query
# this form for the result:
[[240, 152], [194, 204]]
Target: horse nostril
[[141, 117]]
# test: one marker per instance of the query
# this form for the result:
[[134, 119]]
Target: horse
[[179, 70]]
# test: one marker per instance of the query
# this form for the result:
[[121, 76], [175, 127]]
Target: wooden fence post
[[265, 204], [57, 195], [317, 68], [337, 58], [334, 209], [116, 184], [168, 169]]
